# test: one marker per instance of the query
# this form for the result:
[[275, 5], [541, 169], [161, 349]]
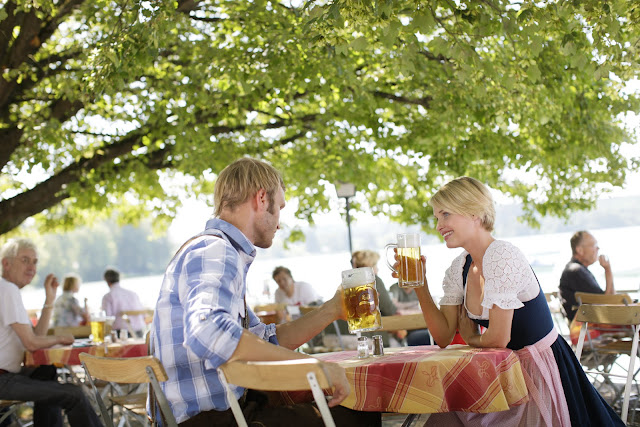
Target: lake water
[[547, 253]]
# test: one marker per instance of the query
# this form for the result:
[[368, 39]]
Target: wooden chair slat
[[274, 376], [127, 370], [589, 298], [609, 314]]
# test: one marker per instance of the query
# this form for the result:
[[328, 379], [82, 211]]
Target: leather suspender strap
[[245, 321]]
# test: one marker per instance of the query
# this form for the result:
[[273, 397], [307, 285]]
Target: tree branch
[[15, 210], [403, 99]]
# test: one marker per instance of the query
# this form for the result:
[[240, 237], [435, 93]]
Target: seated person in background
[[576, 277], [118, 300], [290, 292], [406, 299], [34, 384], [67, 310]]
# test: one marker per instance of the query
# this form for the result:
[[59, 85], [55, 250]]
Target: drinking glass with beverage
[[361, 300], [98, 321], [410, 269]]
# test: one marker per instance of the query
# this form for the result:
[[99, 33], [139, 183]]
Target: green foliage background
[[115, 108]]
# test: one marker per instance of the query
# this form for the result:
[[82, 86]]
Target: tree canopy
[[116, 107]]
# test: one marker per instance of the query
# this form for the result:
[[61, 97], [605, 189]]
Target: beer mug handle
[[386, 250]]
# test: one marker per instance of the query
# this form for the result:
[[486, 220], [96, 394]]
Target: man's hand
[[66, 339], [50, 288], [338, 379], [604, 262], [338, 303]]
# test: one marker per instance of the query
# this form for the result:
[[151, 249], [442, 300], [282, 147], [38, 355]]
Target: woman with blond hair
[[67, 311], [491, 284]]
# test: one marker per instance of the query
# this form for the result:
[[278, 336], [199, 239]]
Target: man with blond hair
[[202, 319], [38, 385]]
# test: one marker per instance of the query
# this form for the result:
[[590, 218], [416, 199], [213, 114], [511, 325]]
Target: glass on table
[[361, 300], [98, 322]]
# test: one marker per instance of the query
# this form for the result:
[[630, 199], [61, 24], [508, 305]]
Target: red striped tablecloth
[[427, 379], [69, 355]]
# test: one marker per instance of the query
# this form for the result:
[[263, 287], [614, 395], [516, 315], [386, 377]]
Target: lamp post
[[347, 190]]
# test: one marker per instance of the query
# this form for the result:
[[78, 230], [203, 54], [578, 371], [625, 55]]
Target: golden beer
[[362, 308], [97, 330], [361, 300], [410, 271]]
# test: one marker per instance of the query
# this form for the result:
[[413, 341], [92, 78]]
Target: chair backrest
[[403, 322], [274, 375], [304, 309], [147, 313], [550, 296], [129, 370], [284, 375], [612, 314], [77, 331], [589, 298], [269, 307]]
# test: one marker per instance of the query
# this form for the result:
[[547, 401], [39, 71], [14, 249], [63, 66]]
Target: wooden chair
[[77, 331], [287, 375], [147, 313], [588, 298], [133, 370], [610, 314]]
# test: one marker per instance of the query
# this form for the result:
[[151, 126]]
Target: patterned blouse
[[67, 310]]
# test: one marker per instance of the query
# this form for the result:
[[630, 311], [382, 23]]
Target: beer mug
[[361, 300], [410, 271], [97, 322]]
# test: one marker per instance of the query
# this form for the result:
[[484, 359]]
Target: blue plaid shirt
[[198, 319]]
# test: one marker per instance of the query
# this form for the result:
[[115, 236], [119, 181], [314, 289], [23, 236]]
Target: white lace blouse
[[508, 279]]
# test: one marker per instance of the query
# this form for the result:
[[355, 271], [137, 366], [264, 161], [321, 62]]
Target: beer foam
[[358, 276], [409, 240]]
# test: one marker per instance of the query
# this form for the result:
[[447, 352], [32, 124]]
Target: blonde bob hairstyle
[[468, 197], [70, 282], [241, 180], [364, 258]]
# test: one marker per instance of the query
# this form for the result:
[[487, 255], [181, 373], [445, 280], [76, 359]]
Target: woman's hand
[[467, 327], [396, 265]]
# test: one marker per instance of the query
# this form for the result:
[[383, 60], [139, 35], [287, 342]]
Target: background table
[[427, 379], [69, 355]]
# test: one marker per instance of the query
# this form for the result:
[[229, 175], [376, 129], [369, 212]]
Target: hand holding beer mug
[[361, 300], [410, 270]]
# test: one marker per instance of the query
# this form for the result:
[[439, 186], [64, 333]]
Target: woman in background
[[67, 310], [491, 284]]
